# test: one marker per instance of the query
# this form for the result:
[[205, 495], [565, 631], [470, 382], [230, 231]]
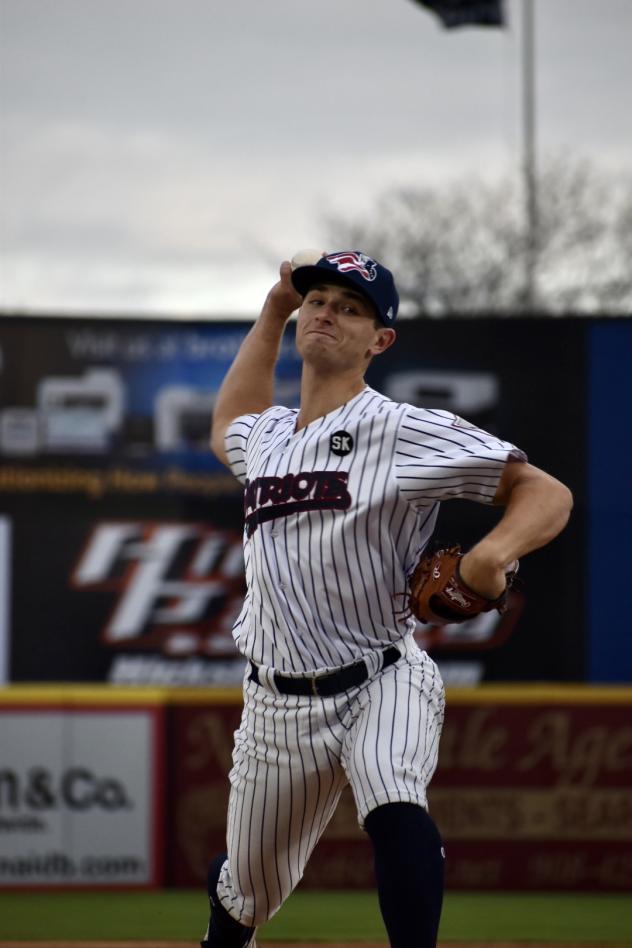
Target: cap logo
[[354, 261]]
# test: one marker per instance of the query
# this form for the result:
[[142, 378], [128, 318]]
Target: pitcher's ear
[[385, 339]]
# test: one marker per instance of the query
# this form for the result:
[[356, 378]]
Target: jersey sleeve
[[439, 456], [236, 444]]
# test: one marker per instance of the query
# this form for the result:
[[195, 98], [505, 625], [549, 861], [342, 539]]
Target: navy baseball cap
[[356, 269]]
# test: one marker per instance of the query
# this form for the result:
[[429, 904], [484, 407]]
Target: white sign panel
[[5, 593], [77, 797]]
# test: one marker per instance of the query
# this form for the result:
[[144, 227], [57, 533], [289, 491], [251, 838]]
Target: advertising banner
[[199, 758], [537, 795], [122, 532], [523, 379], [532, 791], [80, 796]]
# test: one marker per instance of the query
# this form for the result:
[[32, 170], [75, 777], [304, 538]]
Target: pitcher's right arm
[[249, 383]]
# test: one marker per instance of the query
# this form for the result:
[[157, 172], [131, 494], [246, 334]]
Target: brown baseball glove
[[438, 594]]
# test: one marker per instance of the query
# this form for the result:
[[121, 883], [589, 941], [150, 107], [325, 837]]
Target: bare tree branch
[[459, 249]]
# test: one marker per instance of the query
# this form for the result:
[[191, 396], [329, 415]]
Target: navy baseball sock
[[409, 872], [223, 931]]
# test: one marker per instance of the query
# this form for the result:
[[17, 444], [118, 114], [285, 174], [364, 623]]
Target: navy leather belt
[[330, 683]]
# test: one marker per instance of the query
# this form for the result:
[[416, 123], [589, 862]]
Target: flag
[[466, 12]]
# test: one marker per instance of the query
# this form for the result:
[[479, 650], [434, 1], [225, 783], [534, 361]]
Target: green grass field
[[315, 916]]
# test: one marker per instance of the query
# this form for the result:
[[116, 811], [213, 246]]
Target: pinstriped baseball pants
[[294, 755]]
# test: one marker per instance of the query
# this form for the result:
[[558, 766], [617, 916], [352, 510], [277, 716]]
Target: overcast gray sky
[[162, 155]]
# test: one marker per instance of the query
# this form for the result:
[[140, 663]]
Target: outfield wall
[[106, 787], [105, 468]]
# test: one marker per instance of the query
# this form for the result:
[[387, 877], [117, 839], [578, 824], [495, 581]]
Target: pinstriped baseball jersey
[[336, 516]]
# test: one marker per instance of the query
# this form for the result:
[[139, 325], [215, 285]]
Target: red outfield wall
[[533, 789]]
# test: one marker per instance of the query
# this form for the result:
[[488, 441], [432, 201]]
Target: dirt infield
[[304, 944]]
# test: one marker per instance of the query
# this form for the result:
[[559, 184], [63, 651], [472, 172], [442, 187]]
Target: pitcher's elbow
[[567, 499], [216, 441], [565, 504]]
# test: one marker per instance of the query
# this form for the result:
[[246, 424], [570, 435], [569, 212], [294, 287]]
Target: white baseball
[[306, 258]]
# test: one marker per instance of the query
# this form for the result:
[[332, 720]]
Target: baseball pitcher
[[340, 501]]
